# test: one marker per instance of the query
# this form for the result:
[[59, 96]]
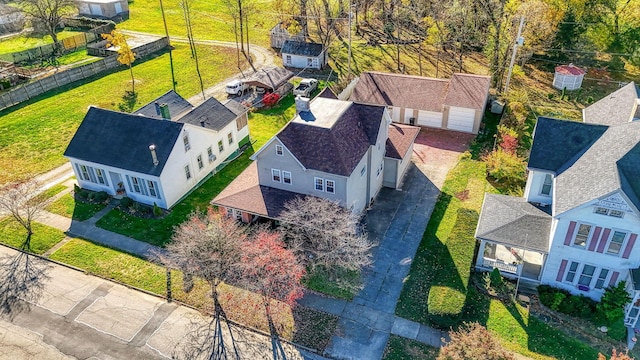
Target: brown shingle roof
[[413, 92], [400, 139], [339, 149], [468, 91], [245, 193]]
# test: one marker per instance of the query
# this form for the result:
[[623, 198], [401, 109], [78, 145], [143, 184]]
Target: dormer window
[[546, 185]]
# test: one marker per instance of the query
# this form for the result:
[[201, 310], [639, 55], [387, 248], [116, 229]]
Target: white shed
[[568, 76], [303, 55]]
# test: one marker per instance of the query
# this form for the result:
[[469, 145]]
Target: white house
[[151, 156], [304, 55], [454, 104], [332, 149], [103, 9], [576, 226]]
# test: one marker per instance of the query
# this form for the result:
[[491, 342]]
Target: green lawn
[[49, 193], [43, 238], [319, 281], [399, 348], [262, 126], [77, 210], [33, 135], [26, 42], [305, 326]]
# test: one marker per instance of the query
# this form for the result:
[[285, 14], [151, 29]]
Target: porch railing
[[491, 263]]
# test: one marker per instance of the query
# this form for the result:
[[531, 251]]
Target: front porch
[[512, 262]]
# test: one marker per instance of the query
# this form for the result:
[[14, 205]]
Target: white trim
[[326, 182], [284, 176], [315, 184], [276, 173]]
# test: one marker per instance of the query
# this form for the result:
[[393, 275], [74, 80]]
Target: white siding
[[302, 62], [533, 190]]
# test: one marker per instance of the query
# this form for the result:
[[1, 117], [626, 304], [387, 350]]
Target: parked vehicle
[[306, 87], [236, 87]]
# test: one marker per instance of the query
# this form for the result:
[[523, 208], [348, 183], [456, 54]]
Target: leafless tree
[[48, 12], [326, 235], [240, 10], [209, 246], [21, 202]]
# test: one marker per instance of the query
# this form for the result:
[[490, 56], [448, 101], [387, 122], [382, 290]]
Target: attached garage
[[430, 118], [461, 119]]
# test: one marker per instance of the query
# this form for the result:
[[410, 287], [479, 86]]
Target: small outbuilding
[[303, 55], [116, 10], [568, 76], [279, 34]]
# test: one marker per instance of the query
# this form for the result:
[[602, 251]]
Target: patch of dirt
[[462, 195]]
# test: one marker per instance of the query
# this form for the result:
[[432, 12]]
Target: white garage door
[[95, 9], [395, 114], [461, 119], [408, 114], [430, 118]]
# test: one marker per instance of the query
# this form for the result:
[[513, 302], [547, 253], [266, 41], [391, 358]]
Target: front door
[[116, 183]]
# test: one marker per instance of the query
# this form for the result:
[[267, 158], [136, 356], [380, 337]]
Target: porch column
[[480, 257]]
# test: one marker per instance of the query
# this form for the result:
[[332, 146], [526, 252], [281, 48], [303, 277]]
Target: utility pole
[[166, 31], [519, 42], [349, 56]]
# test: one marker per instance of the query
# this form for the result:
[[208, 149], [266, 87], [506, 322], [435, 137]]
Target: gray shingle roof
[[512, 220], [558, 143], [301, 48], [269, 77], [235, 106], [122, 140], [335, 150], [615, 108], [211, 113], [176, 103]]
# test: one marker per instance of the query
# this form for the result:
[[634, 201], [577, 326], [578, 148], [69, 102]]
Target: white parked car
[[306, 87], [236, 87]]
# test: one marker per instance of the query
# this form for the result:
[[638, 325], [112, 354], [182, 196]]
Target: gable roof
[[301, 48], [616, 108], [235, 106], [328, 93], [558, 143], [269, 77], [336, 149], [176, 103], [468, 91], [569, 70], [401, 137], [512, 220], [122, 140], [211, 114]]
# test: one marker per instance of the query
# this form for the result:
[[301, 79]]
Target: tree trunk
[[133, 81]]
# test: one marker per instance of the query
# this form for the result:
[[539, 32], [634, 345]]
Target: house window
[[220, 146], [279, 150], [587, 275], [152, 188], [546, 185], [136, 184], [288, 59], [230, 138], [84, 173], [602, 278], [200, 164], [185, 139], [187, 172], [309, 62], [602, 211], [380, 169], [331, 186], [210, 154], [571, 274], [616, 213], [286, 177], [582, 236], [616, 242], [100, 175], [605, 211], [319, 184], [363, 171], [275, 175]]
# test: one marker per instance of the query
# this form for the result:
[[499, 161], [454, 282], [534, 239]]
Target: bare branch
[[20, 201]]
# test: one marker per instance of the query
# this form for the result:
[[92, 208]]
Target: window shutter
[[563, 266], [129, 183], [603, 240], [155, 185], [627, 250], [78, 172], [614, 278], [92, 176], [572, 227], [594, 238]]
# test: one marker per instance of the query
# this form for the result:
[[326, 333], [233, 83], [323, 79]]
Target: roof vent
[[157, 105], [154, 157], [164, 111], [302, 104], [202, 123]]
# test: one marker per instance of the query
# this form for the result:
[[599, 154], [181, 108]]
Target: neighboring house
[[270, 78], [103, 9], [153, 156], [279, 34], [332, 149], [304, 55], [11, 19], [576, 226], [455, 104]]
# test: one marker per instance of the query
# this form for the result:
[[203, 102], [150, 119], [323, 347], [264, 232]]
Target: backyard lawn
[[399, 348], [43, 238], [76, 210], [26, 42], [34, 135]]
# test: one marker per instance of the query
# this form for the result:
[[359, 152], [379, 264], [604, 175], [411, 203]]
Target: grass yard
[[262, 126], [49, 193], [319, 281], [305, 326], [209, 19], [399, 348], [26, 42], [43, 238], [34, 135], [77, 210]]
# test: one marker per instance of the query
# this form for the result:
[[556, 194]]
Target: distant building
[[304, 55], [116, 10], [279, 34]]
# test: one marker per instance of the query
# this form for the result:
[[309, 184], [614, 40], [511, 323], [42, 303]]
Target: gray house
[[104, 9], [332, 149]]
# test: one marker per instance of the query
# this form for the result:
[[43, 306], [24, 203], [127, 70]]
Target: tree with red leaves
[[272, 271], [616, 356], [270, 99]]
